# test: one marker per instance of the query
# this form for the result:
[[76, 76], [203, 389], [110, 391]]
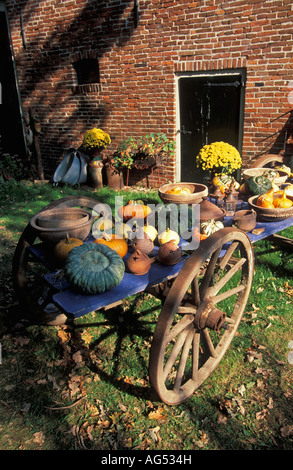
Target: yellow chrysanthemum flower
[[219, 155], [95, 138]]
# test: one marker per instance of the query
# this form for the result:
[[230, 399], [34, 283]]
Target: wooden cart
[[203, 299]]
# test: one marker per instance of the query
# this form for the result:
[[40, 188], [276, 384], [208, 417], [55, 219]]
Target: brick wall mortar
[[138, 66]]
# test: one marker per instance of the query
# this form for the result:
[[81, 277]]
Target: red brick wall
[[138, 65]]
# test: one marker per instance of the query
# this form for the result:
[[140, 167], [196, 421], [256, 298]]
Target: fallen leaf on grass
[[261, 414], [39, 438], [287, 431], [63, 335], [157, 414], [154, 433]]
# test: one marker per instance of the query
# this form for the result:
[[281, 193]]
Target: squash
[[283, 202], [93, 268], [168, 235], [134, 210], [223, 181], [63, 247], [178, 190], [114, 242], [289, 189], [258, 185], [271, 174], [266, 199], [151, 231], [101, 226], [210, 226], [123, 230]]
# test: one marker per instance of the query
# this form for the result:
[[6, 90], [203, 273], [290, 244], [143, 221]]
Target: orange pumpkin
[[63, 247], [134, 211], [114, 242]]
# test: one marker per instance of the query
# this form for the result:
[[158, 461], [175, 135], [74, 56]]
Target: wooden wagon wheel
[[267, 160], [201, 314], [22, 255]]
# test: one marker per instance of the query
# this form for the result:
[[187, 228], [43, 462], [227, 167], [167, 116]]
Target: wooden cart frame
[[194, 330]]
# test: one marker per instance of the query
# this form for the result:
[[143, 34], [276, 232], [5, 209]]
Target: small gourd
[[178, 190], [114, 242], [289, 189], [283, 202], [168, 235], [63, 247], [223, 181], [266, 199], [211, 226], [151, 231]]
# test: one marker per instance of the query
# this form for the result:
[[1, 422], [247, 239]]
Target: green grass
[[86, 385]]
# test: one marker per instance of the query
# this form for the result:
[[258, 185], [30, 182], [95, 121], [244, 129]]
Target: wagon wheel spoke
[[201, 314]]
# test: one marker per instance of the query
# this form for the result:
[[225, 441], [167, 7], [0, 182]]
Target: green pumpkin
[[93, 268], [258, 185]]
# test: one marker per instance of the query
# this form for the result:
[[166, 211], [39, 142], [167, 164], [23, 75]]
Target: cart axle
[[209, 316]]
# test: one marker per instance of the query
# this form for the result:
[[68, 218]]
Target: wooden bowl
[[53, 235], [260, 171], [198, 191], [270, 215], [58, 218]]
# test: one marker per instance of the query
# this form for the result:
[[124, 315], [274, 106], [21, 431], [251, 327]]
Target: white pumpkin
[[168, 235], [210, 226], [151, 231]]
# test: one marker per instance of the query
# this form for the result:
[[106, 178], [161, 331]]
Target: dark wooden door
[[11, 125], [211, 110]]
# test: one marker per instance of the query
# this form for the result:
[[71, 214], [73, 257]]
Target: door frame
[[207, 73], [3, 9]]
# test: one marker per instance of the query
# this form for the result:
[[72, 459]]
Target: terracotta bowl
[[270, 215], [198, 191], [260, 171], [52, 235], [58, 218], [245, 220]]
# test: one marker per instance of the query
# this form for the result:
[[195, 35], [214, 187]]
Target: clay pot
[[138, 263], [209, 211], [169, 253], [244, 220], [142, 242]]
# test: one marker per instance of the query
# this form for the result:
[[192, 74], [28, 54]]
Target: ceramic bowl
[[53, 235], [198, 191], [62, 218], [260, 171], [270, 215]]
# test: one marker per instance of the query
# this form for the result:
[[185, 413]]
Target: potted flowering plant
[[218, 158], [156, 147], [146, 150], [95, 140]]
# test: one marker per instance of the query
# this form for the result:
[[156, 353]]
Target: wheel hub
[[209, 316]]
